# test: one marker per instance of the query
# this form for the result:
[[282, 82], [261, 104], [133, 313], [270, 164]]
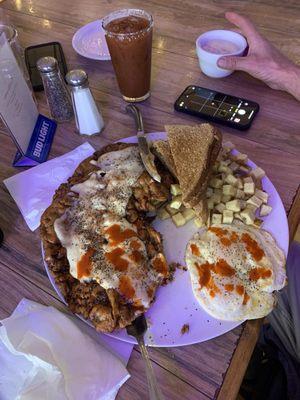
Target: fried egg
[[235, 270]]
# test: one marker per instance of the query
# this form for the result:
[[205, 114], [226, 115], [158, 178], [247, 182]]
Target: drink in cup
[[129, 38]]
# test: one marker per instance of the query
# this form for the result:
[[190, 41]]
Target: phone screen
[[216, 106], [34, 53]]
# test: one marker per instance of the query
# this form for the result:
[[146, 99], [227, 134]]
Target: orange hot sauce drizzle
[[259, 273], [84, 265], [195, 250], [253, 247], [160, 264], [117, 236], [223, 268], [246, 298], [126, 288], [222, 233], [229, 287], [205, 278], [218, 231], [240, 289], [115, 257], [136, 256]]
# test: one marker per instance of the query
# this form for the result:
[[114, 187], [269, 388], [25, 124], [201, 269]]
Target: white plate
[[89, 41], [175, 304]]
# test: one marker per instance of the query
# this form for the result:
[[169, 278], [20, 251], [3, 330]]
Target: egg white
[[225, 304]]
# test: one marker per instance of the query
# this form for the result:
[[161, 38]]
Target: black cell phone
[[34, 53], [218, 107]]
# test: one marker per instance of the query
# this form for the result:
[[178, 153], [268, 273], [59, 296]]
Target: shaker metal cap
[[77, 77], [47, 64]]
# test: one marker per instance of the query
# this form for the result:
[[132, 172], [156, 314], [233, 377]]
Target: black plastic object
[[34, 53], [217, 107]]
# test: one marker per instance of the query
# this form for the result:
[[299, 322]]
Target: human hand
[[263, 60]]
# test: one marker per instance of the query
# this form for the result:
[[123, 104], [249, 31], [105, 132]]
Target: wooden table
[[213, 369]]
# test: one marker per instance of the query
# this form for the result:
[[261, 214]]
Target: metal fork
[[137, 329]]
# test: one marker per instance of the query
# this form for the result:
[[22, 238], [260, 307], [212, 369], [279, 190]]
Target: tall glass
[[12, 38], [129, 38]]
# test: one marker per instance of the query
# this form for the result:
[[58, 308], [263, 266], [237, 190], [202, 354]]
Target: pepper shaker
[[58, 97], [88, 118]]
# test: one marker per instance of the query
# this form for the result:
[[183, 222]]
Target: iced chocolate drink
[[129, 38]]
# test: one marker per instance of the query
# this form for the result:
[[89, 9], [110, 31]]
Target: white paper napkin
[[33, 189], [44, 355]]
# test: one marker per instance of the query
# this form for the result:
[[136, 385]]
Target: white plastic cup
[[208, 61]]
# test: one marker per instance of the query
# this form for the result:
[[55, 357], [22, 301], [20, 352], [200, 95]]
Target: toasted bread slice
[[201, 210], [194, 150], [162, 150]]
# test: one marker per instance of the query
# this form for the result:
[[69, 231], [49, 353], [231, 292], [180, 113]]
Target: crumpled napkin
[[33, 189], [44, 355]]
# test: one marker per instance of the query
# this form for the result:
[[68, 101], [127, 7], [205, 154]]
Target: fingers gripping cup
[[212, 45], [128, 35]]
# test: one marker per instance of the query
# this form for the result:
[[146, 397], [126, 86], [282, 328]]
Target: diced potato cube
[[234, 166], [220, 207], [262, 195], [216, 219], [234, 205], [208, 222], [215, 166], [248, 179], [227, 217], [216, 198], [227, 161], [210, 204], [231, 180], [223, 167], [255, 201], [229, 190], [163, 214], [228, 146], [258, 222], [240, 194], [237, 216], [188, 214], [175, 189], [171, 210], [225, 198], [216, 183], [248, 215], [178, 219], [245, 169], [249, 188], [240, 157], [176, 202], [209, 192], [240, 184], [258, 173], [218, 191], [265, 210], [198, 222]]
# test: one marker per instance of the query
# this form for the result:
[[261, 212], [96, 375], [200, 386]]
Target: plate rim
[[77, 49]]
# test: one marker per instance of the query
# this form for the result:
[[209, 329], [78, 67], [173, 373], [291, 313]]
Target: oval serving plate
[[175, 304]]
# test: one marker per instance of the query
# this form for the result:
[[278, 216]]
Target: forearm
[[291, 81]]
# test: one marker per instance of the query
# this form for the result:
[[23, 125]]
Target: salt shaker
[[58, 97], [89, 120]]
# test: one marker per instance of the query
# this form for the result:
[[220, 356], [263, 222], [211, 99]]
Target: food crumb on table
[[185, 329]]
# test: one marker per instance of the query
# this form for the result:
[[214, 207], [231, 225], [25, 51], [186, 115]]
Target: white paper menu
[[17, 107]]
